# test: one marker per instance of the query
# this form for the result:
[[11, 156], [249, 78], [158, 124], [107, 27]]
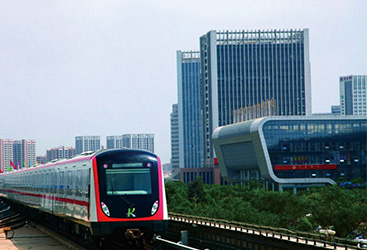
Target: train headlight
[[105, 209], [154, 207]]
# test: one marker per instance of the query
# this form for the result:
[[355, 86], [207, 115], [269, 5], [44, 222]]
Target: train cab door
[[88, 193]]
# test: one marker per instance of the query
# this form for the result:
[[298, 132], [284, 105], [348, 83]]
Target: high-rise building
[[21, 152], [6, 153], [353, 95], [59, 153], [114, 141], [175, 158], [24, 153], [189, 109], [244, 68], [138, 141], [87, 143], [19, 148], [31, 153]]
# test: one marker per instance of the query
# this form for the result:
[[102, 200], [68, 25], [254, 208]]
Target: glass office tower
[[246, 68], [189, 109]]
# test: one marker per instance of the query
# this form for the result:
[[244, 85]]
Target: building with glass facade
[[241, 69], [353, 95], [293, 152], [189, 109]]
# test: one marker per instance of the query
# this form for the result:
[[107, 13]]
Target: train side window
[[73, 183], [48, 182], [78, 184], [54, 183], [43, 190], [85, 182], [88, 183], [61, 182], [69, 183]]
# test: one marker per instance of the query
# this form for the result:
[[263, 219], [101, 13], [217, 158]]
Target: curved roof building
[[293, 152]]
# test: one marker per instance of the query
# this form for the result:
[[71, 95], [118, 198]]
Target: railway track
[[203, 233]]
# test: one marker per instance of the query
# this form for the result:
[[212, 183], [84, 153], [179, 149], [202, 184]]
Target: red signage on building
[[306, 167]]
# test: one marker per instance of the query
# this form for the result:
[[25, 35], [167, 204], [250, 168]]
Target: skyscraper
[[189, 109], [353, 95], [175, 155], [246, 68], [87, 143], [138, 141]]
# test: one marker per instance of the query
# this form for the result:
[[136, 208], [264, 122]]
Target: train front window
[[128, 179]]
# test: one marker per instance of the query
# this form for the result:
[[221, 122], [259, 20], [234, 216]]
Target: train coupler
[[133, 233]]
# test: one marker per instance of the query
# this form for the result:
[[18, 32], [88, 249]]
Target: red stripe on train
[[49, 197]]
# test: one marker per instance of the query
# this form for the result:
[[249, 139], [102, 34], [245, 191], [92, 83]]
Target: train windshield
[[128, 179]]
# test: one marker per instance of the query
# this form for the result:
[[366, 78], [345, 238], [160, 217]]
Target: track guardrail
[[307, 238], [172, 244]]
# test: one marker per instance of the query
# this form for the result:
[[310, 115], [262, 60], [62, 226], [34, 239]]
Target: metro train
[[104, 193]]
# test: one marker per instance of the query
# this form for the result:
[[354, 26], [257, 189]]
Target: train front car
[[129, 194]]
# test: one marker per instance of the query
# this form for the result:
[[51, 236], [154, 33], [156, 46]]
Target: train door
[[48, 194], [75, 211], [68, 206], [60, 189], [43, 199], [53, 190]]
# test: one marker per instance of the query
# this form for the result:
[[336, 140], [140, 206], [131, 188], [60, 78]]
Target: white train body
[[79, 189]]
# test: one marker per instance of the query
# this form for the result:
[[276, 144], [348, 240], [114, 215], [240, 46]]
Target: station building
[[293, 152]]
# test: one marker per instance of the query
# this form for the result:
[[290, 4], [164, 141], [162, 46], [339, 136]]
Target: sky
[[71, 68]]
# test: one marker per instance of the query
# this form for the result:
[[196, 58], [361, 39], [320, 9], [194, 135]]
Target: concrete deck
[[29, 238]]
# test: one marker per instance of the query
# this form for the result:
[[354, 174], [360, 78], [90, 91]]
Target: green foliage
[[358, 180], [342, 208], [340, 180], [196, 191], [304, 225], [177, 193]]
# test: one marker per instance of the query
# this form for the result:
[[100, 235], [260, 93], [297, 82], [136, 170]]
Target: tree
[[196, 191]]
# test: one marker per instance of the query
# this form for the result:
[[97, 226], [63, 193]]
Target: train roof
[[85, 156]]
